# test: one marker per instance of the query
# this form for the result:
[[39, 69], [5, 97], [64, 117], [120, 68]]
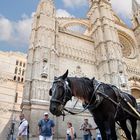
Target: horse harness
[[100, 95], [98, 89], [100, 92]]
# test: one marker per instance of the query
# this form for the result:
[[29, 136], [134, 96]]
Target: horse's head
[[61, 93]]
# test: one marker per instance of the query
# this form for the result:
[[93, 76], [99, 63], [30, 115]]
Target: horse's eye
[[50, 92]]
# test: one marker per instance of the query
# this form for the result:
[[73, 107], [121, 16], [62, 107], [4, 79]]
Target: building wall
[[11, 89], [76, 57]]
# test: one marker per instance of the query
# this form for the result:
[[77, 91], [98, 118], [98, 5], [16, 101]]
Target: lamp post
[[12, 131]]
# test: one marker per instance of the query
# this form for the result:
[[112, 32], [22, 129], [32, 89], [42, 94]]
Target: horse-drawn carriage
[[107, 104], [121, 135]]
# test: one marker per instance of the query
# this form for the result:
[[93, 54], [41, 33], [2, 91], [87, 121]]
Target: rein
[[119, 105], [106, 97]]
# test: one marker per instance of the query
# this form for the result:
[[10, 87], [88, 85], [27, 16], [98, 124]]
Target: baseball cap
[[85, 118], [46, 113]]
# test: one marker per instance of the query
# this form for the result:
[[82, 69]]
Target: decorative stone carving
[[3, 78], [122, 79], [44, 73], [78, 72], [133, 70], [127, 45], [5, 108]]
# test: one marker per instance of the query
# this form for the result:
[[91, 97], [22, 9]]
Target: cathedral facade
[[107, 49]]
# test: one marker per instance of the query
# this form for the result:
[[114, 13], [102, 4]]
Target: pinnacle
[[135, 6]]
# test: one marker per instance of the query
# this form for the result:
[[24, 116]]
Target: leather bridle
[[67, 94]]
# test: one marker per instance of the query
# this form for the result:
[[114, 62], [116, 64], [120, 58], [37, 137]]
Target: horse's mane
[[83, 80], [83, 83]]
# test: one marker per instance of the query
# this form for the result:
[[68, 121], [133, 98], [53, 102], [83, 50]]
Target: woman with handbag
[[70, 132]]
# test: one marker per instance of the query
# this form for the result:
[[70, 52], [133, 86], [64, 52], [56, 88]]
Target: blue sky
[[16, 18]]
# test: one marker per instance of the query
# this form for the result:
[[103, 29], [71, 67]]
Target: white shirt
[[69, 131], [21, 128]]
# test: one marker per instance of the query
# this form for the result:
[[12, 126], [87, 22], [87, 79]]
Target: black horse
[[105, 104]]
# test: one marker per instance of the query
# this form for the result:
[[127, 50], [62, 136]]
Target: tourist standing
[[71, 135], [86, 127], [46, 128], [23, 128]]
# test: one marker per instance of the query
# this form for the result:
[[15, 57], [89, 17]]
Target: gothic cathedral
[[107, 49]]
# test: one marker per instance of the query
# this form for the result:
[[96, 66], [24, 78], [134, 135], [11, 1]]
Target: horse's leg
[[133, 122], [102, 129], [111, 128], [125, 129]]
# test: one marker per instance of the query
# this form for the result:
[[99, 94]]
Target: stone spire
[[135, 6], [46, 7], [107, 46], [90, 2], [136, 13], [40, 61]]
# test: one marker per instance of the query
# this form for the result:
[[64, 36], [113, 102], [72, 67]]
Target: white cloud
[[23, 29], [123, 7], [18, 32], [5, 29], [74, 3], [15, 32], [63, 13]]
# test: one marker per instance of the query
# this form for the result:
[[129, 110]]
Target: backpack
[[75, 135], [28, 131]]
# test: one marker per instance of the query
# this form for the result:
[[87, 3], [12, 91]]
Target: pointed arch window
[[14, 78], [16, 69], [20, 63], [22, 80], [17, 62], [23, 72], [23, 64], [19, 79], [16, 97], [19, 71]]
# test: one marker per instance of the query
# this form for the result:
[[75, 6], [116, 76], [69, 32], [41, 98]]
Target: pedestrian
[[71, 135], [86, 127], [23, 128], [46, 128]]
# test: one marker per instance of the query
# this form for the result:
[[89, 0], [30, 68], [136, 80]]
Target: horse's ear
[[93, 79], [50, 92], [65, 75], [55, 77]]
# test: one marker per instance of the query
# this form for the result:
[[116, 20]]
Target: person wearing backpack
[[23, 128], [86, 127], [46, 128], [71, 134]]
